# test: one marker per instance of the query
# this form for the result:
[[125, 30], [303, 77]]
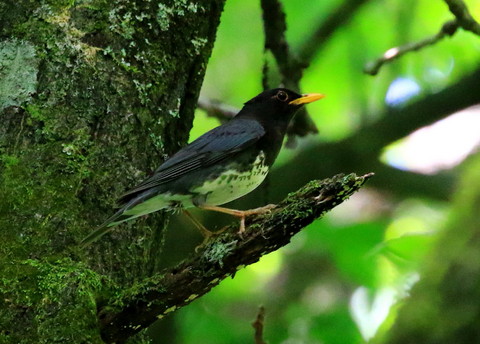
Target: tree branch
[[291, 68], [463, 19], [138, 307], [463, 16], [217, 109], [448, 29]]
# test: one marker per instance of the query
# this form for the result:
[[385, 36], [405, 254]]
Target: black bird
[[220, 166]]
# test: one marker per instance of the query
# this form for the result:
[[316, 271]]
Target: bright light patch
[[405, 226], [370, 311], [391, 53], [258, 275], [370, 308], [321, 298], [439, 146], [401, 90], [267, 267]]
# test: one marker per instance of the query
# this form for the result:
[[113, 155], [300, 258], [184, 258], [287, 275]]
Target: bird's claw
[[241, 230], [257, 211]]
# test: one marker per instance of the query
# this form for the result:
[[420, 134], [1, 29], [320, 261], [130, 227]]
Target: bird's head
[[279, 104]]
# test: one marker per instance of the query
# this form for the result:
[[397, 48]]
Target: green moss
[[60, 299], [298, 204], [35, 112], [8, 160], [118, 298], [157, 140]]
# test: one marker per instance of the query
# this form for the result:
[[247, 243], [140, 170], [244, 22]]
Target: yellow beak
[[307, 98]]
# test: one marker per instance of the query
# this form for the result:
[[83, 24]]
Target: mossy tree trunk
[[92, 94]]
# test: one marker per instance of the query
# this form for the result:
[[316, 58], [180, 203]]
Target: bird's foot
[[256, 211], [207, 234], [242, 214]]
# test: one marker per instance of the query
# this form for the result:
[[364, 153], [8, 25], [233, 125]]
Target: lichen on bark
[[18, 73]]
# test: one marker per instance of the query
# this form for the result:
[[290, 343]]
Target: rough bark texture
[[92, 94]]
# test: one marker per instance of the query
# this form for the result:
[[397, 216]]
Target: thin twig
[[463, 19], [275, 26], [217, 109], [258, 326], [372, 68], [290, 67]]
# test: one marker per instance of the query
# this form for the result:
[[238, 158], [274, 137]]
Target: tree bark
[[92, 93]]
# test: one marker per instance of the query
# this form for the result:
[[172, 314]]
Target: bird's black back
[[260, 125]]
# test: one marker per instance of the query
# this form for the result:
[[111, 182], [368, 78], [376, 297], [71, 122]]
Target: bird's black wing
[[210, 148]]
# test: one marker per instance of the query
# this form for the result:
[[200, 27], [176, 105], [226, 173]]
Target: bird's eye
[[282, 96]]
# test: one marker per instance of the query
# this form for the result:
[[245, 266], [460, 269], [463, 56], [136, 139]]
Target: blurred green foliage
[[307, 287]]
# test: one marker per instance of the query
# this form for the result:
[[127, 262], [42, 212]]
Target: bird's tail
[[123, 215], [105, 227]]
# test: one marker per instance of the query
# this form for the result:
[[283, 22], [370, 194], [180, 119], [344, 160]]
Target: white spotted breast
[[232, 184]]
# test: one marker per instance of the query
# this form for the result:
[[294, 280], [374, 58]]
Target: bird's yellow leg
[[242, 214], [205, 232]]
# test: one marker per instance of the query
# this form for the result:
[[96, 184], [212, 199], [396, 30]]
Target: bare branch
[[463, 16], [291, 68], [274, 25], [217, 109], [258, 326], [463, 19], [449, 28], [134, 309]]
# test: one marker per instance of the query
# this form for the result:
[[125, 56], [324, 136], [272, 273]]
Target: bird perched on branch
[[220, 166]]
